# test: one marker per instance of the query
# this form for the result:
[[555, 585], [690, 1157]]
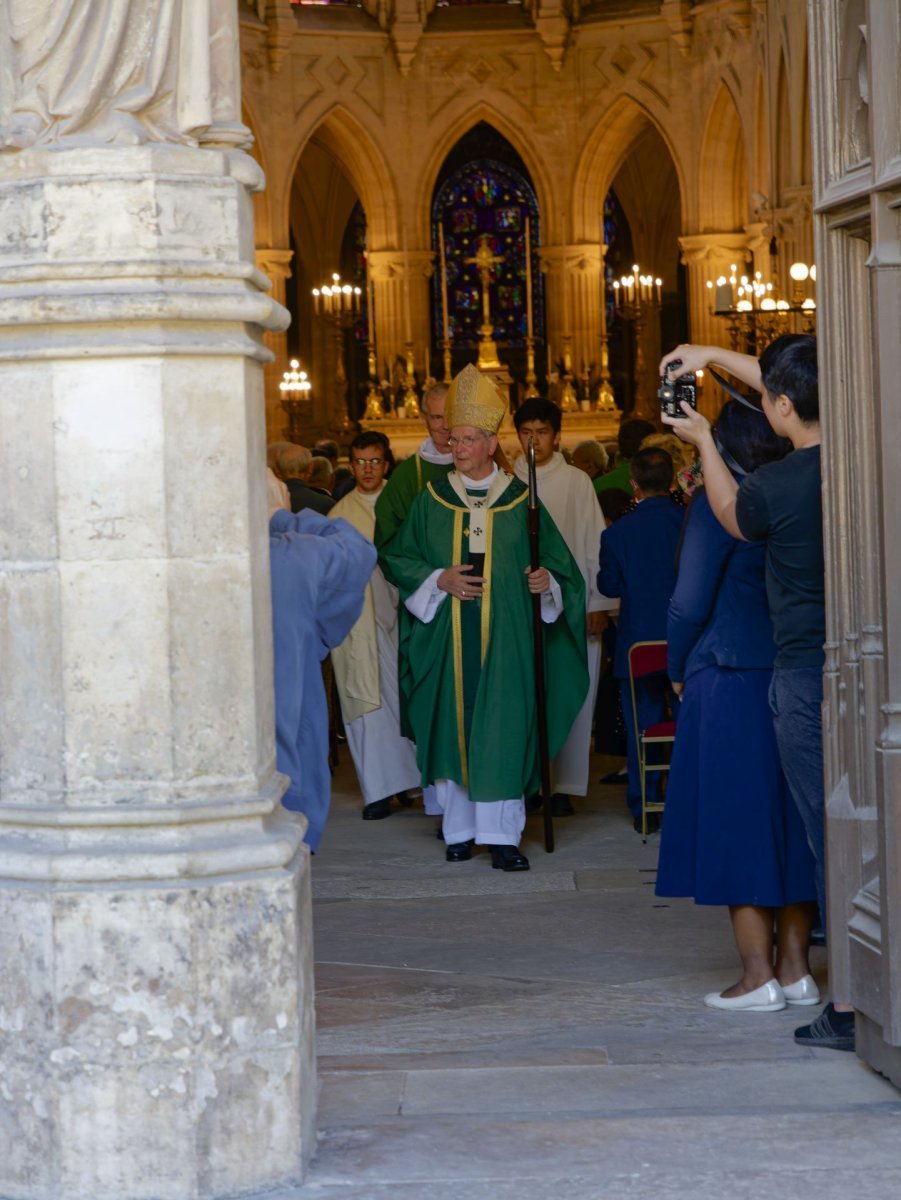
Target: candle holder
[[756, 312], [637, 298], [606, 401], [531, 378], [411, 405], [338, 305], [568, 400], [445, 345], [374, 409], [297, 396]]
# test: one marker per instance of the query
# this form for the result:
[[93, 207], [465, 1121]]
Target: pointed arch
[[262, 216], [723, 175], [342, 135], [607, 147], [451, 135]]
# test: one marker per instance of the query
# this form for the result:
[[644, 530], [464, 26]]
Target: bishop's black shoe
[[508, 858], [377, 810], [459, 852]]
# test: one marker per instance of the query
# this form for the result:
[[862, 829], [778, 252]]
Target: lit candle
[[408, 324], [444, 322], [528, 279], [659, 285]]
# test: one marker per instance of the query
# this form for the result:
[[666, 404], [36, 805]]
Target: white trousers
[[489, 823], [569, 770], [385, 761]]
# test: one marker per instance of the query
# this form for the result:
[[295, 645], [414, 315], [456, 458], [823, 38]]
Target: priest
[[467, 665], [569, 496], [365, 663]]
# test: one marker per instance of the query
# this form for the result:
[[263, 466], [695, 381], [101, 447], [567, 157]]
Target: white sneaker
[[768, 998], [804, 991]]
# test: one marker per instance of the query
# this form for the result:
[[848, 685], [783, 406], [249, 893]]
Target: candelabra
[[637, 297], [338, 304], [757, 313], [296, 391]]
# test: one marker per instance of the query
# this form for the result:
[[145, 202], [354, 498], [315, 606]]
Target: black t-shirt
[[781, 504]]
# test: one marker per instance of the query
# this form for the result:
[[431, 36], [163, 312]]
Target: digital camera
[[671, 394]]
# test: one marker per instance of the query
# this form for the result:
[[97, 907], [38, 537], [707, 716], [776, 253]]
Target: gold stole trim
[[486, 587], [418, 473], [457, 631]]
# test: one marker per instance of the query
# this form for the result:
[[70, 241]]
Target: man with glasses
[[365, 663], [432, 460], [467, 657]]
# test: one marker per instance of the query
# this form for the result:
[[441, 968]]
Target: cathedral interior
[[394, 138], [229, 222]]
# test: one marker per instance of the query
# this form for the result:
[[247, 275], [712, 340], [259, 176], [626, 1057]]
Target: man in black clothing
[[291, 463], [781, 504]]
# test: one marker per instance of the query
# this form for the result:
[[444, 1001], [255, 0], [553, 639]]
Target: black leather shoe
[[653, 823], [615, 777], [459, 852], [508, 858], [405, 800], [377, 810], [561, 805]]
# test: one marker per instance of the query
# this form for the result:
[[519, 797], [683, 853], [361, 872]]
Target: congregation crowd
[[418, 581]]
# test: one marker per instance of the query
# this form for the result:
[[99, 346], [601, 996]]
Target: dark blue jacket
[[638, 564], [718, 615]]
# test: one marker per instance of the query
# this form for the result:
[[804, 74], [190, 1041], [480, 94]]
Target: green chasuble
[[406, 482], [467, 678]]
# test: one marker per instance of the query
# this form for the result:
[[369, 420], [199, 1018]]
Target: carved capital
[[274, 262], [553, 25], [386, 265]]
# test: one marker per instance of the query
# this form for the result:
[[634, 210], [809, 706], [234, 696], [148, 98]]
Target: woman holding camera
[[732, 835]]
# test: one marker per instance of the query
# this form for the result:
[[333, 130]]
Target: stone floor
[[541, 1036]]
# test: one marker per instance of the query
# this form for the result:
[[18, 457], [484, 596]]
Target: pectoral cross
[[484, 260]]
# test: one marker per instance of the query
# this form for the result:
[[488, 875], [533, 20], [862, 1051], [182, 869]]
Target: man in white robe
[[365, 663], [569, 496]]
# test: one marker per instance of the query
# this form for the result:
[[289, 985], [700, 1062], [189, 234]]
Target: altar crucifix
[[484, 260]]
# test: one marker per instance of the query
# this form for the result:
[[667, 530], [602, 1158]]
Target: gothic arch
[[342, 135], [606, 149], [723, 174], [448, 139], [262, 217]]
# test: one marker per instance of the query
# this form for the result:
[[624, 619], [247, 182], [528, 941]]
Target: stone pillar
[[402, 304], [156, 1037], [275, 263], [708, 256]]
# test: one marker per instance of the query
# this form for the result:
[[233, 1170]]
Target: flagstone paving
[[542, 1036]]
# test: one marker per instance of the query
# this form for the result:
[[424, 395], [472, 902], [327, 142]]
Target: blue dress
[[731, 832]]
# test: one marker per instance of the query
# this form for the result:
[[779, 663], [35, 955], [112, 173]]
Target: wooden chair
[[649, 658]]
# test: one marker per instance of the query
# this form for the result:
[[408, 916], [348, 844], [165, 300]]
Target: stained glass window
[[487, 199]]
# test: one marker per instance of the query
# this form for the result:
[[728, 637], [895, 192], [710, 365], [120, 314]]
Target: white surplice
[[366, 675], [569, 496]]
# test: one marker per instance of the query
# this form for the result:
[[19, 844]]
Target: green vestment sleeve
[[406, 482], [467, 678]]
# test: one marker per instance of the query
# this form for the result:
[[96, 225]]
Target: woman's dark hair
[[747, 437], [788, 367]]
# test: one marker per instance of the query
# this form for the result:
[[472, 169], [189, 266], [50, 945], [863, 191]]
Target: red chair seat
[[662, 729]]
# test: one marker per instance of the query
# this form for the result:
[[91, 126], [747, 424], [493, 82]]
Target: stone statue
[[101, 72]]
